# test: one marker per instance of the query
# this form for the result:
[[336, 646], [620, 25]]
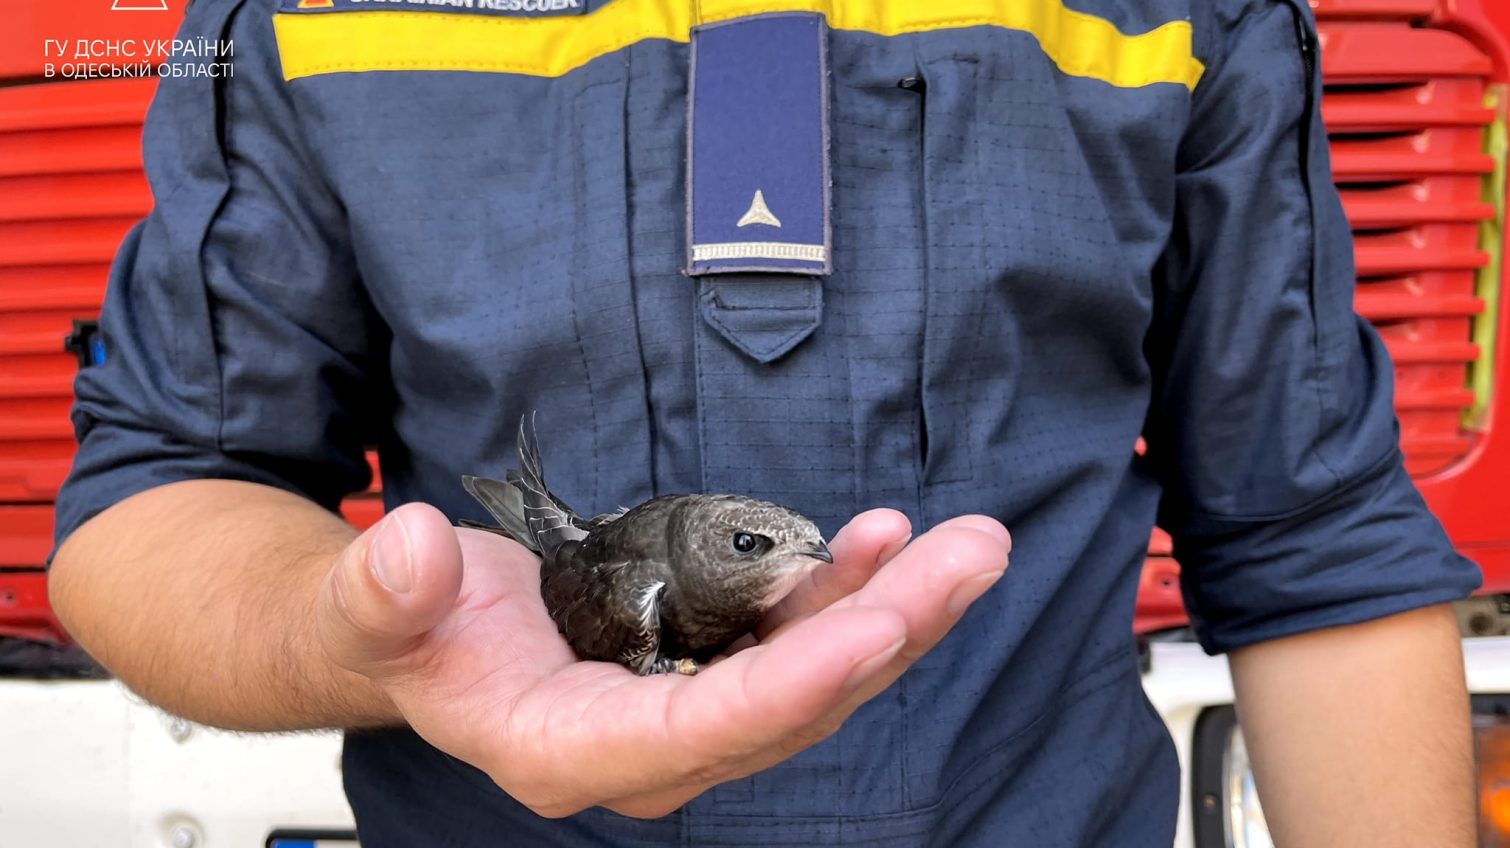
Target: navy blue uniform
[[1081, 222]]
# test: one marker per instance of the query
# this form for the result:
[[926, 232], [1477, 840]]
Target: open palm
[[475, 664]]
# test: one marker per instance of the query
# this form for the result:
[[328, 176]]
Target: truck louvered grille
[[1405, 105], [70, 186], [1405, 108]]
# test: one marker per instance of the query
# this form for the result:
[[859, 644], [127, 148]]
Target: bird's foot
[[666, 665]]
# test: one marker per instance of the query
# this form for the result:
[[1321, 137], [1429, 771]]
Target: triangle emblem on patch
[[758, 213]]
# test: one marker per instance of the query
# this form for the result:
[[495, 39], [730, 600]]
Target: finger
[[667, 734], [984, 523], [931, 584], [770, 695], [865, 544], [521, 575], [388, 588], [955, 561]]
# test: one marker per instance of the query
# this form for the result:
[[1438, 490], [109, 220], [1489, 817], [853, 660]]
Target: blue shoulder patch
[[505, 8], [757, 147]]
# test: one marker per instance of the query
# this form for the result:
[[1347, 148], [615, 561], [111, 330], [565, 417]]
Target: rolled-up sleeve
[[239, 342], [1272, 427]]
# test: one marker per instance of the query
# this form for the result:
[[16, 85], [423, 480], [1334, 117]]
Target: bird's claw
[[666, 665]]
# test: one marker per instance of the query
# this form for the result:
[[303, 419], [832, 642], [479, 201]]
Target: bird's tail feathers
[[531, 475]]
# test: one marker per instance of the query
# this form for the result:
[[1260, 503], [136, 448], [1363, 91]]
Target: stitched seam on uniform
[[919, 416], [1184, 69], [579, 189], [529, 69], [961, 468], [632, 280], [699, 365], [726, 307]]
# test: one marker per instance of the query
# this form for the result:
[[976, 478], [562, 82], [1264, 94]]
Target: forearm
[[200, 596], [1360, 735]]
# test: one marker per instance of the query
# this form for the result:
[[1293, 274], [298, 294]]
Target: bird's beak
[[820, 552]]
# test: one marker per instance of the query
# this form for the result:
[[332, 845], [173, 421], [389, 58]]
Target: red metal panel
[[93, 195], [24, 610], [25, 535], [35, 375], [1438, 199], [1160, 605], [1390, 52], [32, 470], [1428, 294], [1406, 156], [362, 510], [1469, 495], [85, 103], [1430, 247], [26, 419], [73, 286], [62, 242], [1374, 9], [1434, 103], [25, 539], [106, 148]]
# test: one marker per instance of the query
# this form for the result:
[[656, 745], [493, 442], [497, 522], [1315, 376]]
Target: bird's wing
[[606, 612], [644, 611], [506, 504]]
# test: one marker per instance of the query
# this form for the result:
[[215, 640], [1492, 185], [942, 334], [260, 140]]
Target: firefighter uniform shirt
[[947, 257]]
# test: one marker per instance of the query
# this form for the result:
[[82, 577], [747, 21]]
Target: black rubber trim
[[308, 835]]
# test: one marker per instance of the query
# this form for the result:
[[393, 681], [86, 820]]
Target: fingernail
[[967, 592], [389, 557], [871, 664]]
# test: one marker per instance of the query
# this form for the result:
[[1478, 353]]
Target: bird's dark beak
[[820, 552]]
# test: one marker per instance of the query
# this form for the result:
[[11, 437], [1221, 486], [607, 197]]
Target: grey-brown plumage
[[673, 580]]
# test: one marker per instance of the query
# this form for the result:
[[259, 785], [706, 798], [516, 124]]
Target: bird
[[663, 587]]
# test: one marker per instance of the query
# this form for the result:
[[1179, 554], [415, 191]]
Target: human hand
[[471, 659]]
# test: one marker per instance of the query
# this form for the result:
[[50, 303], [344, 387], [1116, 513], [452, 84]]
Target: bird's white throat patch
[[792, 572]]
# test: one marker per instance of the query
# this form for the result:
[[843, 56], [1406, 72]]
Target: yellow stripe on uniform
[[1079, 45]]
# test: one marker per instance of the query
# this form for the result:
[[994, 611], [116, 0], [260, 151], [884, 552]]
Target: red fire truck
[[1416, 103]]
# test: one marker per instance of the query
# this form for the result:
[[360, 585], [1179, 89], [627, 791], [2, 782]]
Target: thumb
[[387, 589]]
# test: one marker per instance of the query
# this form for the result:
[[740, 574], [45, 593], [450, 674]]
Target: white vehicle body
[[86, 764]]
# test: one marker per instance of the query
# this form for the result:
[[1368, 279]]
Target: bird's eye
[[745, 542]]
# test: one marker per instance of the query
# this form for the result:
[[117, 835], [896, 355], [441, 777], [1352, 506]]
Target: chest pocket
[[489, 219], [1047, 201]]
